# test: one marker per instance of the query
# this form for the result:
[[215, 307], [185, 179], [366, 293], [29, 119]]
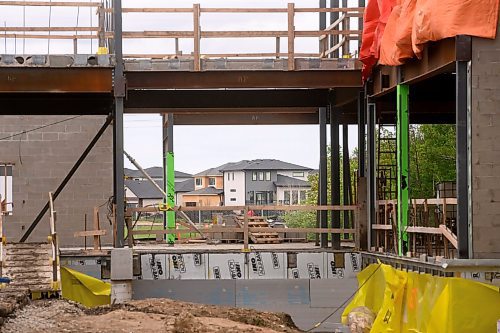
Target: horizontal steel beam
[[246, 119], [313, 79], [195, 111], [56, 80], [189, 99], [55, 104], [437, 58]]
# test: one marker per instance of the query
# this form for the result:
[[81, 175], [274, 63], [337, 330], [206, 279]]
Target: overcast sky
[[196, 147]]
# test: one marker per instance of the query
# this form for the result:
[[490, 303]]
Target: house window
[[232, 190], [252, 197], [190, 204], [254, 175], [268, 175], [303, 196], [211, 181], [298, 174], [261, 175], [6, 187], [295, 197], [199, 182], [233, 199], [286, 198], [228, 175], [232, 173]]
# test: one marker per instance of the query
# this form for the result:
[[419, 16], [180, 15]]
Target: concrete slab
[[331, 293]]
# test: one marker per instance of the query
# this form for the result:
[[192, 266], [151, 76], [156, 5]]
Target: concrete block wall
[[485, 122], [42, 159]]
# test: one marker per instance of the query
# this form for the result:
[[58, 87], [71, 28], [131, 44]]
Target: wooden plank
[[197, 37], [452, 238], [240, 208], [158, 34], [381, 227], [157, 10], [424, 230], [30, 36], [89, 233], [97, 239], [50, 4], [45, 29], [250, 230], [291, 36], [245, 229]]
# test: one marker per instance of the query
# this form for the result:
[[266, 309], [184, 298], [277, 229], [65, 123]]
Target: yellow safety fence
[[422, 303], [84, 289]]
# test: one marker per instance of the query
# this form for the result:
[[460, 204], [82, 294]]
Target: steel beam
[[169, 175], [403, 153], [119, 94], [56, 104], [56, 80], [323, 176], [66, 179], [335, 175], [312, 79], [463, 143], [371, 174], [230, 99], [361, 134], [247, 119], [346, 176], [438, 57]]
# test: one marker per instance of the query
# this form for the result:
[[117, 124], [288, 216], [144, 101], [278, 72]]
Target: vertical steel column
[[335, 174], [403, 152], [346, 175], [334, 39], [169, 175], [361, 134], [119, 94], [371, 169], [463, 158], [323, 175]]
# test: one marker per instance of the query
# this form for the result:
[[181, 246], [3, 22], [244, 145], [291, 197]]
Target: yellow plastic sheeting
[[421, 303], [84, 289]]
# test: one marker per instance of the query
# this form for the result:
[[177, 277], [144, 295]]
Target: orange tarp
[[396, 30]]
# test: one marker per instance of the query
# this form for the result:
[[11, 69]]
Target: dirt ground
[[158, 315]]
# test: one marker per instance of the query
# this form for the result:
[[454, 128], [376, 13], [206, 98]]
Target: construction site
[[396, 231]]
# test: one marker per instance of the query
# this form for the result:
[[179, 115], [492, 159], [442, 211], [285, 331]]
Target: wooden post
[[53, 237], [75, 46], [278, 47], [97, 239], [196, 27], [361, 219], [101, 21], [245, 229], [177, 52], [291, 36]]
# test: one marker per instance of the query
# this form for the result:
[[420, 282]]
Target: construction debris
[[158, 315]]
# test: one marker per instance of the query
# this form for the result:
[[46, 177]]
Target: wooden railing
[[340, 29], [246, 229], [430, 230]]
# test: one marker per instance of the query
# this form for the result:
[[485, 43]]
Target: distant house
[[208, 189], [265, 182], [140, 192], [155, 173]]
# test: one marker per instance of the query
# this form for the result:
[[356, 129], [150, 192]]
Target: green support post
[[170, 199], [402, 132]]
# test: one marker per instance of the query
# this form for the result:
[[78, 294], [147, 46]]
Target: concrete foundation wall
[[485, 147], [42, 159], [306, 301]]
